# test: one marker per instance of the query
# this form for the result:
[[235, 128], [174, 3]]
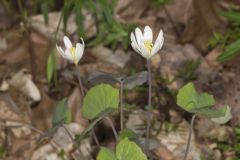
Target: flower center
[[73, 53], [148, 45]]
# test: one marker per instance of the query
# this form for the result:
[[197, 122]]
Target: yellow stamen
[[149, 46], [73, 53]]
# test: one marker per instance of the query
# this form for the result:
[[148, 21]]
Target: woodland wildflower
[[71, 53], [143, 44]]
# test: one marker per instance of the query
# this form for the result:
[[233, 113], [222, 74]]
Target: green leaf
[[127, 133], [210, 112], [230, 51], [99, 99], [232, 16], [224, 119], [106, 154], [189, 100], [44, 5], [79, 17], [204, 100], [51, 67], [67, 10], [203, 104], [61, 114], [128, 150], [187, 97], [135, 80]]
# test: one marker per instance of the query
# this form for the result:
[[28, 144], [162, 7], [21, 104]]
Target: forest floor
[[188, 25]]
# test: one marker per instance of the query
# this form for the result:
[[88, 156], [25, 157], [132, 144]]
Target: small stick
[[189, 137]]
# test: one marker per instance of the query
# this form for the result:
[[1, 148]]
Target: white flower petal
[[158, 43], [144, 50], [147, 35], [67, 42], [60, 50], [138, 35], [136, 48], [134, 41], [69, 56], [79, 50]]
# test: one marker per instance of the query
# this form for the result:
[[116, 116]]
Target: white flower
[[73, 54], [142, 43]]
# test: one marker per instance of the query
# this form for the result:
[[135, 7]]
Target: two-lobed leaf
[[125, 150], [99, 99], [225, 118], [202, 104], [128, 150], [106, 154]]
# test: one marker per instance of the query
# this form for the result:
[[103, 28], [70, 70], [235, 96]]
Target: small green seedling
[[201, 104], [125, 82]]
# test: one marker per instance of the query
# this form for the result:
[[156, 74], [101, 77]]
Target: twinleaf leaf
[[135, 80], [99, 99], [125, 150], [128, 150], [189, 100], [202, 104], [128, 82], [225, 118], [106, 154], [127, 133], [61, 114], [104, 77]]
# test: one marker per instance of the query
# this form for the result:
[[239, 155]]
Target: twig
[[189, 137], [71, 137], [121, 105], [113, 128]]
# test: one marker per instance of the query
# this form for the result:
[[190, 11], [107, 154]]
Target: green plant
[[229, 42], [125, 150], [200, 104]]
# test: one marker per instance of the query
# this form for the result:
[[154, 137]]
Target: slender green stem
[[149, 102], [80, 81], [113, 128], [189, 137], [121, 104]]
